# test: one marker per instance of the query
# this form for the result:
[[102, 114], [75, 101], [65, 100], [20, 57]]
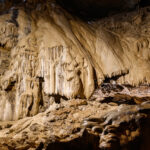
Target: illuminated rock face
[[71, 84], [43, 60], [48, 53]]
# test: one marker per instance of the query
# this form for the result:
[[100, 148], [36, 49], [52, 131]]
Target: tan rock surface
[[65, 82], [79, 124], [54, 53]]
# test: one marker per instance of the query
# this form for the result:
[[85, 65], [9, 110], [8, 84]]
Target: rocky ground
[[84, 124], [68, 83]]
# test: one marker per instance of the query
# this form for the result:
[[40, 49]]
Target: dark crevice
[[120, 99], [114, 78], [14, 17], [144, 3], [40, 147], [86, 142], [2, 45], [10, 86], [41, 80], [30, 107], [95, 79], [58, 98]]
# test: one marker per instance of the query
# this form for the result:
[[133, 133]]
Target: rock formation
[[66, 82]]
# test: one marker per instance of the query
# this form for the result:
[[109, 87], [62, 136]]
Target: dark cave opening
[[94, 9], [144, 3], [85, 142], [88, 9]]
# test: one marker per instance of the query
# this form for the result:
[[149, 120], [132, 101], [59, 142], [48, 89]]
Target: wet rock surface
[[49, 56], [68, 84]]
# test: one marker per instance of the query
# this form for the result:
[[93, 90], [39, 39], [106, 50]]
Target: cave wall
[[47, 52]]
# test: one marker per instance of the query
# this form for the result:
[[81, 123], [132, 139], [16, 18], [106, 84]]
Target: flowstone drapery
[[68, 84], [57, 55]]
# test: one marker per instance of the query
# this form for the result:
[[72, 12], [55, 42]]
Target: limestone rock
[[55, 54], [119, 94], [70, 84], [77, 124]]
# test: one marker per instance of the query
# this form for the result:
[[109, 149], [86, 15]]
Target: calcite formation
[[55, 54], [65, 82]]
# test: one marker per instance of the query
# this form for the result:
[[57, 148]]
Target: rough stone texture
[[78, 124], [69, 84], [121, 94], [54, 54]]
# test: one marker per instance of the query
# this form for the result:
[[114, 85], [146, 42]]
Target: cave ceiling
[[87, 9], [92, 9]]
